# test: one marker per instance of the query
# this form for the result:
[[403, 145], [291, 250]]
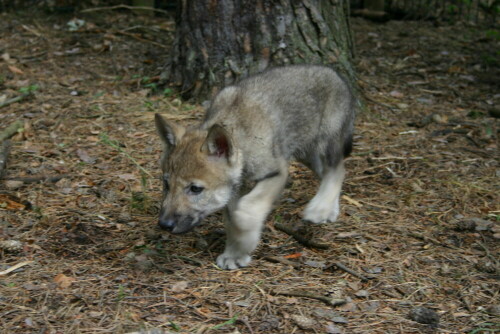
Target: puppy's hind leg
[[325, 206]]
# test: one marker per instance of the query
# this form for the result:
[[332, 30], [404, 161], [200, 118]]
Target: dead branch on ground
[[348, 270], [302, 294], [40, 178], [14, 100], [10, 130], [300, 238], [276, 259]]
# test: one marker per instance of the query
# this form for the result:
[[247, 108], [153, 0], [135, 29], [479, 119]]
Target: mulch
[[415, 250]]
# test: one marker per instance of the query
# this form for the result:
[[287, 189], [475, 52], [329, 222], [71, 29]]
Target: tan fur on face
[[189, 164]]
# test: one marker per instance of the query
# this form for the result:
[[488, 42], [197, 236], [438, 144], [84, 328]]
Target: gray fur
[[297, 112], [251, 132]]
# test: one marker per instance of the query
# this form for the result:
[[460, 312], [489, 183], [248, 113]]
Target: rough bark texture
[[220, 42]]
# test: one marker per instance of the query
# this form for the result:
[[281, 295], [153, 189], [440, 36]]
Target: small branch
[[348, 270], [140, 38], [11, 130], [299, 237], [15, 267], [381, 104], [41, 178], [324, 299], [14, 100], [427, 239], [188, 259], [124, 7], [276, 259], [4, 155], [488, 254]]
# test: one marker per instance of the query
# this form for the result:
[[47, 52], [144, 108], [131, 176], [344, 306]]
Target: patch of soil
[[419, 228]]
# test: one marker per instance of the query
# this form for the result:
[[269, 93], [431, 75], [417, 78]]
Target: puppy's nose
[[167, 224]]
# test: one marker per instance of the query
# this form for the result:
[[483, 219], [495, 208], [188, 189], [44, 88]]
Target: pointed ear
[[169, 132], [218, 143]]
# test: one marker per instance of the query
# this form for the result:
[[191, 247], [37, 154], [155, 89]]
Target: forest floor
[[80, 252]]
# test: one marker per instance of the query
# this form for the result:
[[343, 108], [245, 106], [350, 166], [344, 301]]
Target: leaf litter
[[420, 207]]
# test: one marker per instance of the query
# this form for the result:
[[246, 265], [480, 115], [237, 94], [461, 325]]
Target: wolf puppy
[[250, 133]]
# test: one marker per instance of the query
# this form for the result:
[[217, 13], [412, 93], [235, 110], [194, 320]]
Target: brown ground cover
[[420, 212]]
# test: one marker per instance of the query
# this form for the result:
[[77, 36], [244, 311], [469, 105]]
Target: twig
[[380, 103], [41, 178], [429, 240], [95, 9], [352, 201], [14, 267], [140, 38], [10, 130], [324, 299], [4, 155], [300, 238], [348, 270], [188, 259], [379, 206], [14, 99], [488, 254], [276, 259]]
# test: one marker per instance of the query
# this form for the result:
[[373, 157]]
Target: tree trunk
[[220, 42]]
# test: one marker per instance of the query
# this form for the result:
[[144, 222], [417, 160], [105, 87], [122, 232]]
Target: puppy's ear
[[169, 132], [219, 143]]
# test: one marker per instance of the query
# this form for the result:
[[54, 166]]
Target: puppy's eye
[[195, 189]]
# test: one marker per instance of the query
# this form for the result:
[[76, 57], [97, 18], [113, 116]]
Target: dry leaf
[[344, 235], [362, 293], [179, 286], [10, 203], [63, 281], [85, 157], [15, 70], [293, 256], [303, 322], [127, 176]]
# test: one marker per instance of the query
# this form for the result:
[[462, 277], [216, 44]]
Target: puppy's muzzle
[[177, 224], [168, 223]]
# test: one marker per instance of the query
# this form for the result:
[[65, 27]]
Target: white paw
[[229, 261], [319, 213]]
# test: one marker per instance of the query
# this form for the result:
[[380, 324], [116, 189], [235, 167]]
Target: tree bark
[[220, 42]]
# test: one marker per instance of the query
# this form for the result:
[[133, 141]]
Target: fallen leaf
[[127, 176], [179, 286], [293, 256], [10, 203], [395, 93], [63, 281], [344, 235], [316, 264], [340, 320], [332, 329], [303, 321], [374, 270], [13, 185], [362, 293], [85, 157], [15, 70]]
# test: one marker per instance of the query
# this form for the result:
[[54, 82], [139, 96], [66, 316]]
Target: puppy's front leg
[[245, 219]]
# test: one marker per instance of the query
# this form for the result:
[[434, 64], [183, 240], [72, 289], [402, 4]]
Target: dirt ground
[[419, 228]]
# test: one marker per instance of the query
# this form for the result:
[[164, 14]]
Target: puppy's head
[[199, 171]]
